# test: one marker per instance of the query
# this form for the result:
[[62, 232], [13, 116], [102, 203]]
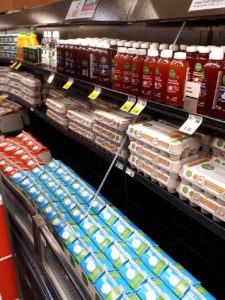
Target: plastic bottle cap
[[141, 52], [211, 47], [49, 34], [191, 49], [122, 50], [166, 53], [145, 45], [120, 43], [128, 44], [45, 33], [163, 46], [153, 53], [85, 43], [113, 42], [136, 45], [183, 47], [106, 45], [216, 54], [203, 49], [55, 34], [155, 44], [131, 51], [154, 47], [180, 55], [174, 47]]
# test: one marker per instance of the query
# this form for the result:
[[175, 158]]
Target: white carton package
[[15, 92], [34, 91], [14, 76], [82, 117], [165, 138], [82, 103], [57, 118], [4, 88], [14, 84], [102, 104], [4, 80], [32, 99], [4, 71], [60, 106], [31, 82], [109, 133], [85, 132], [218, 145]]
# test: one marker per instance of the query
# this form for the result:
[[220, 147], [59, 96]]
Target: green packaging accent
[[136, 281], [91, 230], [72, 260], [159, 267], [96, 273], [114, 294], [111, 220], [141, 249], [104, 244], [201, 289], [180, 288], [115, 274], [179, 266], [84, 278], [118, 262], [81, 255], [125, 234], [70, 240], [133, 297], [157, 281]]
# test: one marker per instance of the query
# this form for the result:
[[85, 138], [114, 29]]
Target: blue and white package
[[143, 267], [86, 194], [88, 226], [100, 239], [60, 208], [90, 245], [33, 192], [54, 164], [193, 280], [78, 250], [154, 262], [198, 292], [108, 215], [136, 243], [38, 170], [19, 176], [105, 262], [61, 193], [78, 214], [53, 185], [107, 288], [69, 203], [148, 239], [45, 177], [69, 178], [67, 235], [98, 220], [147, 291], [42, 200], [97, 205], [121, 229], [26, 183], [92, 268], [127, 249], [115, 255], [58, 223], [77, 186], [164, 288], [121, 283], [49, 211]]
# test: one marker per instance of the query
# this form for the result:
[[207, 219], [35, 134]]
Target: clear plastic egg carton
[[84, 132], [108, 133], [111, 147], [207, 175], [155, 173], [4, 88], [83, 117], [15, 84], [57, 118], [207, 203], [33, 100], [14, 91], [151, 155], [102, 104], [4, 80], [218, 147], [60, 106], [165, 138]]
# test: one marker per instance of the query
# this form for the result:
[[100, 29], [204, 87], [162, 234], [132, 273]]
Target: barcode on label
[[130, 172], [191, 124], [120, 165]]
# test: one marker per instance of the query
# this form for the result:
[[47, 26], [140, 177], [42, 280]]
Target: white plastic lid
[[223, 47], [45, 33], [49, 34], [141, 52], [166, 53], [113, 42], [183, 47], [106, 45], [131, 51], [122, 50], [211, 47], [145, 45], [128, 44], [155, 44], [136, 45], [216, 54], [153, 53], [120, 43], [174, 47], [203, 49], [163, 46], [180, 55], [55, 34], [191, 49]]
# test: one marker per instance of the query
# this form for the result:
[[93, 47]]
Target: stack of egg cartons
[[31, 89], [110, 128], [160, 150], [15, 84], [203, 182], [4, 79]]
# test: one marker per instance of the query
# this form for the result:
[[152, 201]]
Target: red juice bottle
[[68, 55], [60, 56], [127, 70], [191, 56], [161, 76], [105, 66], [74, 57], [200, 61], [148, 78], [210, 82], [118, 68], [163, 46], [177, 80], [84, 60], [137, 71], [93, 61]]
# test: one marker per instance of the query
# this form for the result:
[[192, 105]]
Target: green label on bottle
[[172, 74], [103, 60], [203, 76], [126, 66], [146, 70], [134, 67], [115, 64], [198, 67], [223, 79], [156, 70]]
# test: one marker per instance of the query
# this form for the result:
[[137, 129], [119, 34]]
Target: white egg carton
[[218, 146], [31, 82], [14, 76], [5, 111], [14, 84], [84, 132], [165, 138], [57, 118], [4, 88], [82, 103], [32, 100], [114, 118], [31, 91], [219, 159], [55, 94], [60, 106], [108, 133], [111, 147], [208, 175], [15, 92], [148, 153], [4, 80], [83, 117], [207, 203], [11, 105], [157, 175], [4, 71], [102, 104]]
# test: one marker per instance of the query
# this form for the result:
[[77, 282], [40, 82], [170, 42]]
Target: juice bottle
[[127, 70], [60, 56], [191, 56], [200, 61], [154, 46], [163, 47], [105, 66], [53, 49], [93, 61], [47, 58], [67, 55], [137, 71], [183, 47], [176, 84], [136, 45], [84, 60], [145, 45], [43, 47], [33, 39], [161, 75], [73, 58], [148, 79], [119, 66], [211, 78]]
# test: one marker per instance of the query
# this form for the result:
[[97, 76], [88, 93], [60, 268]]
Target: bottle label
[[221, 96], [127, 73], [103, 67], [158, 83], [118, 78], [197, 73], [93, 66], [84, 68], [147, 81], [217, 89]]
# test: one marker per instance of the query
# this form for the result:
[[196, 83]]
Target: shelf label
[[82, 9], [51, 78], [18, 66], [13, 65], [193, 89], [191, 124], [68, 84], [120, 165], [128, 104], [4, 96], [206, 4], [94, 95], [130, 172], [138, 108]]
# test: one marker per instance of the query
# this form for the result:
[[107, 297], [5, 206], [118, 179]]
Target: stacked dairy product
[[203, 182], [110, 129], [159, 151], [113, 257], [4, 79], [8, 46]]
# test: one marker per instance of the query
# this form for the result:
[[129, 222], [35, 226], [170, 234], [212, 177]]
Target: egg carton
[[15, 92], [111, 147], [33, 100], [164, 179], [4, 80], [84, 132], [11, 105], [60, 106], [4, 111], [165, 138], [15, 84], [4, 71], [218, 147], [4, 88], [84, 104], [14, 76], [82, 117], [109, 133], [207, 203], [30, 91], [31, 82], [52, 93], [151, 155], [57, 118], [102, 104]]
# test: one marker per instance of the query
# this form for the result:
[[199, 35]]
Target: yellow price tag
[[50, 79], [13, 65], [68, 84], [18, 66], [128, 104], [138, 108], [94, 95], [4, 96]]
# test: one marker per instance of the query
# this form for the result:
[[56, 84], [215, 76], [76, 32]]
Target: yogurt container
[[83, 117], [122, 229], [61, 193], [101, 239], [134, 277], [53, 185], [108, 215], [107, 288], [154, 262], [78, 186], [84, 132], [68, 178]]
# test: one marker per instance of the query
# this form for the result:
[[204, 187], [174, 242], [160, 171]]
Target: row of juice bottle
[[25, 39]]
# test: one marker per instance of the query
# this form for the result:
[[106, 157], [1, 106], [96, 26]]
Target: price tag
[[193, 89], [68, 84], [138, 108], [120, 165], [94, 95], [191, 124], [13, 65], [51, 78], [128, 104], [130, 172], [4, 96], [18, 66]]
